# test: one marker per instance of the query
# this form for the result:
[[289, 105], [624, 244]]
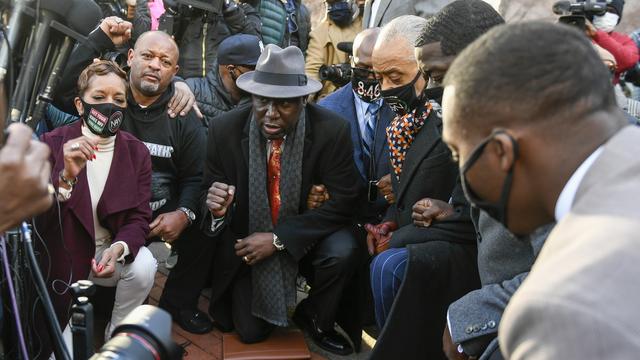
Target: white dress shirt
[[361, 112], [565, 200]]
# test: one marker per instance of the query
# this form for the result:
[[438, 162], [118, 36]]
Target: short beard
[[148, 88]]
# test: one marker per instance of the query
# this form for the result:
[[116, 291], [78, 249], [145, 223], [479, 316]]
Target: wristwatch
[[191, 216], [277, 243], [70, 183]]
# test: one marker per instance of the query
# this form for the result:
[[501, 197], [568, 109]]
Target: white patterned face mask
[[606, 22]]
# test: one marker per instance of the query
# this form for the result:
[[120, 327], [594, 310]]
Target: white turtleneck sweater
[[97, 174]]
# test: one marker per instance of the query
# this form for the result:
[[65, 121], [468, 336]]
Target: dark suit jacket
[[327, 160], [342, 101], [429, 172], [123, 209], [438, 272]]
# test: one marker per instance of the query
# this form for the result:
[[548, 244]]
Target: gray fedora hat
[[279, 74]]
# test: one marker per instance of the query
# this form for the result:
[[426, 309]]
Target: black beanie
[[618, 5]]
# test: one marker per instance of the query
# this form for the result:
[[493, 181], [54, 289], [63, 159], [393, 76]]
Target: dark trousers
[[437, 274], [188, 277], [328, 267]]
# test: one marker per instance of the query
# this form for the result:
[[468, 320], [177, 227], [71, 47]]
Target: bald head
[[153, 37], [154, 63], [363, 47]]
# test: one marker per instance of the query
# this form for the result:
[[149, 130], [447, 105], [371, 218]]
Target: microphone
[[13, 31], [83, 16], [346, 46], [561, 7]]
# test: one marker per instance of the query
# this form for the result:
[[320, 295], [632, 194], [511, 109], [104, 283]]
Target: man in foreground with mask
[[503, 260], [342, 22], [360, 103], [600, 30], [565, 154], [435, 263]]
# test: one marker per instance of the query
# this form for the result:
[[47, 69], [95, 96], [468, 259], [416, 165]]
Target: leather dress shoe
[[193, 321], [329, 340]]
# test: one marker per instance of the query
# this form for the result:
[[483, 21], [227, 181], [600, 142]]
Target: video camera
[[178, 12], [144, 334], [577, 13], [113, 8], [339, 74]]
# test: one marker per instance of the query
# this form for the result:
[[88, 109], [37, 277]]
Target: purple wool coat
[[123, 209]]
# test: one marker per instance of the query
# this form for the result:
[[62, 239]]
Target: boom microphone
[[83, 16]]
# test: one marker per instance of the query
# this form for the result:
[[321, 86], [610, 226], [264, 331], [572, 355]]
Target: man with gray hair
[[419, 270]]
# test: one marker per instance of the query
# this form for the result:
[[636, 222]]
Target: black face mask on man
[[340, 13], [104, 119], [367, 89], [497, 211], [402, 99]]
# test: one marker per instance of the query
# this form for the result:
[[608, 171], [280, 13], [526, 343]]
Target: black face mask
[[402, 99], [434, 93], [367, 89], [340, 13], [497, 211], [103, 119]]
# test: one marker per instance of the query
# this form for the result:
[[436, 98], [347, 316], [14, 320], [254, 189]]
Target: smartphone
[[372, 194]]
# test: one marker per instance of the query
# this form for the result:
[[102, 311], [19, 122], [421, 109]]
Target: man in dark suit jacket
[[261, 163], [503, 260], [368, 117], [436, 263]]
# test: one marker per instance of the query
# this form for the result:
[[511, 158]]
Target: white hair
[[408, 27]]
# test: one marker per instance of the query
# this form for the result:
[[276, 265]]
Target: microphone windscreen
[[83, 16], [346, 46], [561, 7]]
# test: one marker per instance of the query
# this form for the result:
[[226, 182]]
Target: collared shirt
[[217, 222], [565, 200], [361, 111]]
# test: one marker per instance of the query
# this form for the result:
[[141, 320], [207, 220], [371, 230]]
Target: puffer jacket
[[212, 97], [200, 33], [274, 23]]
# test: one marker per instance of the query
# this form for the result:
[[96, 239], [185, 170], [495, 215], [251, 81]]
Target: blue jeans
[[387, 273]]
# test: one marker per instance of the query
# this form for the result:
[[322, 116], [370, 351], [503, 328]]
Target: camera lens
[[143, 335]]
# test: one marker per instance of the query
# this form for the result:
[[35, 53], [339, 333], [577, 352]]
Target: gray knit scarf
[[274, 279]]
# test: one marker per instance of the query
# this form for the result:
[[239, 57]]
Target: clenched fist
[[219, 197], [426, 211]]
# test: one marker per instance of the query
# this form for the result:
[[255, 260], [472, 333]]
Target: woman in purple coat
[[102, 177]]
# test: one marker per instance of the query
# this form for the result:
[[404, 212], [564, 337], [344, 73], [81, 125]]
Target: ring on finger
[[245, 258], [386, 197], [75, 146]]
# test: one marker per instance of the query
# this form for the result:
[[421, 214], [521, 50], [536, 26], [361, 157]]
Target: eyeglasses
[[362, 72]]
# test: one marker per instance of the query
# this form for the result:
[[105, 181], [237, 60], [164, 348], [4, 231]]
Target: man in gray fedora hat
[[261, 163]]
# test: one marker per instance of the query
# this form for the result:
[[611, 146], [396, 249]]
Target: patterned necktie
[[273, 178], [401, 133], [369, 127]]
